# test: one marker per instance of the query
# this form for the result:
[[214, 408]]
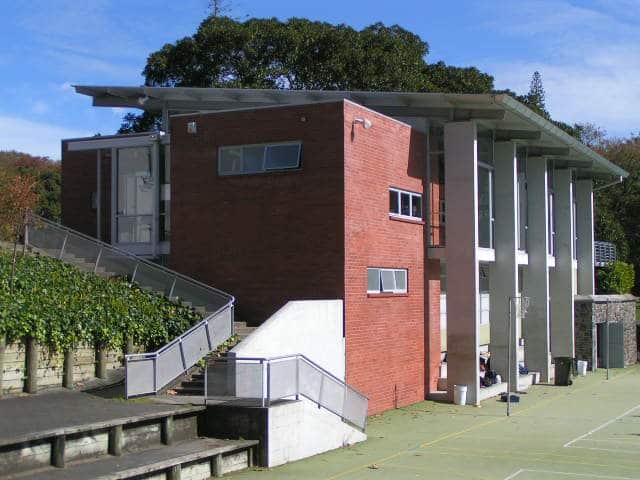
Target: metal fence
[[145, 372], [604, 253], [264, 380]]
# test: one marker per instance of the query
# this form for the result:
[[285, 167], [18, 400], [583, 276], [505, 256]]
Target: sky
[[588, 53]]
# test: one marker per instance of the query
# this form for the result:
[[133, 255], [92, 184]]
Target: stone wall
[[591, 310], [50, 366]]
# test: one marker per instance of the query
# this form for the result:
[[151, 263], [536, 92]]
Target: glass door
[[136, 192]]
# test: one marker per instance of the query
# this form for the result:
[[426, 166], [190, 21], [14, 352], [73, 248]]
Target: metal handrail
[[170, 276], [125, 253], [267, 361]]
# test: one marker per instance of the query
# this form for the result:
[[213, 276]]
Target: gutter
[[607, 185], [517, 108]]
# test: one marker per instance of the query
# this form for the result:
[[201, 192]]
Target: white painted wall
[[312, 328], [300, 429]]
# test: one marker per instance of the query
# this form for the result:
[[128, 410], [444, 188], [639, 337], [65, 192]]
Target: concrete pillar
[[461, 196], [561, 279], [504, 271], [584, 229], [535, 325]]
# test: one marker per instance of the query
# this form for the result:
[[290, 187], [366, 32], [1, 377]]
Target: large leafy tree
[[301, 54]]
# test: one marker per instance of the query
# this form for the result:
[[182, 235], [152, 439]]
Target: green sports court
[[590, 430]]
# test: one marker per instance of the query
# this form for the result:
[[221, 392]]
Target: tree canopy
[[301, 54]]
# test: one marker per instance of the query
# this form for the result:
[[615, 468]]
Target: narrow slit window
[[247, 159]]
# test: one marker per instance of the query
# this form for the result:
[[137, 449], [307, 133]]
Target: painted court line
[[604, 425], [568, 474]]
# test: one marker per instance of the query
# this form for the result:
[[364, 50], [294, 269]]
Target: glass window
[[386, 280], [485, 207], [246, 159], [405, 204], [281, 157]]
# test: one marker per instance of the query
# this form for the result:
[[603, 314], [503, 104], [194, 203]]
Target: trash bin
[[582, 368], [564, 367], [460, 394]]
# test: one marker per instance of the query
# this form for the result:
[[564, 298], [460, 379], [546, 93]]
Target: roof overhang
[[509, 118]]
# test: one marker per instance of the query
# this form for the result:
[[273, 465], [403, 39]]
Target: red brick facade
[[266, 238], [78, 185], [309, 233]]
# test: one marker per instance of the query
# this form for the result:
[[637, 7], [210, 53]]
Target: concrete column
[[461, 196], [504, 271], [535, 325], [561, 279], [584, 229]]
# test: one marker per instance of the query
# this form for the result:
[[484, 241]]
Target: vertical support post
[[561, 278], [95, 267], [101, 361], [461, 195], [57, 451], [114, 196], [67, 379], [320, 391], [3, 345], [262, 382], [31, 383], [174, 472], [155, 174], [135, 271], [99, 194], [216, 466], [64, 244], [115, 440], [504, 271], [584, 232], [536, 287], [268, 383], [298, 360], [167, 430]]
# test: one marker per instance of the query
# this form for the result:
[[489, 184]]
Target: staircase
[[112, 440], [146, 373]]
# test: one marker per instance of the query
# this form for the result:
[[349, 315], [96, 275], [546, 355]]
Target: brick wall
[[385, 335], [266, 238], [78, 183]]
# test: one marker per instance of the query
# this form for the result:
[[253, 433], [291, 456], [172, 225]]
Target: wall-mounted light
[[366, 123], [143, 100], [192, 128]]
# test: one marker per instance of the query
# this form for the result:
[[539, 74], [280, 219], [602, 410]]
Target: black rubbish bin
[[564, 370]]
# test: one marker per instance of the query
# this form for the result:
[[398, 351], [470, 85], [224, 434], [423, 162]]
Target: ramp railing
[[261, 381], [146, 373]]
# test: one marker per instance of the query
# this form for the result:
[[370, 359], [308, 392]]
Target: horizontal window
[[386, 280], [405, 204], [245, 159]]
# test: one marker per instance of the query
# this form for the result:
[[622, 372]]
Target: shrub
[[62, 306], [616, 278]]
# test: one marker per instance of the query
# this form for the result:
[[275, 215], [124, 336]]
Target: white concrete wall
[[300, 429], [312, 328]]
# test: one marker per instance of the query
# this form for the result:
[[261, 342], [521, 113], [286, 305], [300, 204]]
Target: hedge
[[616, 278], [61, 306]]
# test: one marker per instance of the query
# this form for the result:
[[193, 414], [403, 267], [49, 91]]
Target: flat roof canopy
[[510, 118]]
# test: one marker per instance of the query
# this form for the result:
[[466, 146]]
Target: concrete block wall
[[591, 310], [50, 366]]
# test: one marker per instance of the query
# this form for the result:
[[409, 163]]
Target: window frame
[[381, 287], [412, 196], [264, 168]]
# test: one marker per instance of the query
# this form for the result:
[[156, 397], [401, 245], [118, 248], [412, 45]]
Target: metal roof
[[510, 118]]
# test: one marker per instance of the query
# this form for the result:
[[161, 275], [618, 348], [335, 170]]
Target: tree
[[535, 98], [301, 54], [18, 198]]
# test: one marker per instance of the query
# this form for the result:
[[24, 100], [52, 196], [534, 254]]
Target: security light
[[366, 123]]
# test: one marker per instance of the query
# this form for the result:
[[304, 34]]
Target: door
[[614, 345], [136, 199]]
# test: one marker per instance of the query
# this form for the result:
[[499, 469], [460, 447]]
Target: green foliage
[[45, 173], [301, 54], [61, 306], [616, 278]]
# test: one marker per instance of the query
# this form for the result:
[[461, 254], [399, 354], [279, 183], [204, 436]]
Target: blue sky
[[588, 53]]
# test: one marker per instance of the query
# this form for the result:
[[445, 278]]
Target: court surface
[[588, 431]]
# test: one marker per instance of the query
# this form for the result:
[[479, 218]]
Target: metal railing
[[605, 253], [146, 373], [264, 380]]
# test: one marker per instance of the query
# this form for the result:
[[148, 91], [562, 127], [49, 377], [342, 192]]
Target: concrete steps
[[96, 438], [193, 459]]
